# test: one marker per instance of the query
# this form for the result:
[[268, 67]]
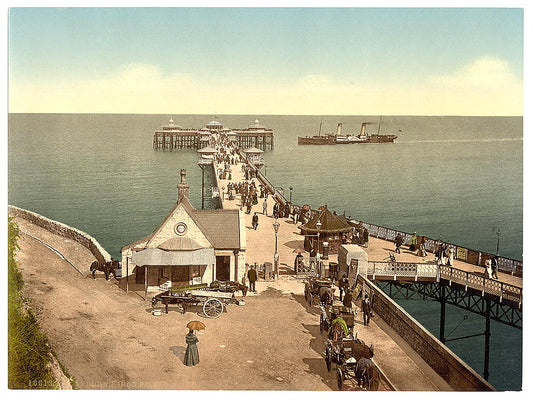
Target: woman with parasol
[[191, 354]]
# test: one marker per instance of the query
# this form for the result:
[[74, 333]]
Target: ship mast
[[320, 128], [379, 125]]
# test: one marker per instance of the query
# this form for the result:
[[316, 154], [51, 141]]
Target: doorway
[[223, 268]]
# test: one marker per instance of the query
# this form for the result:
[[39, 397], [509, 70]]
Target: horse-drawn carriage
[[316, 288], [330, 321], [354, 363], [213, 302]]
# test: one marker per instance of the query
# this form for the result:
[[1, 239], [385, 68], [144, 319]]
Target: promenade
[[403, 367], [261, 242]]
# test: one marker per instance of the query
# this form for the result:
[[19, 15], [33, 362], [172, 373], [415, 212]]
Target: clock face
[[180, 228]]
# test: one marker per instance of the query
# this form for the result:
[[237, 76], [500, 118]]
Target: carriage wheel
[[340, 378], [328, 359], [213, 308]]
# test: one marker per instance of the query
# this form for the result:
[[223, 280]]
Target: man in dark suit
[[252, 277]]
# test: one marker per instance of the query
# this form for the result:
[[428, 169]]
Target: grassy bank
[[29, 354]]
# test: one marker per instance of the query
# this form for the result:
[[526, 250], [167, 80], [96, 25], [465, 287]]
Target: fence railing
[[467, 255], [481, 283], [424, 271], [397, 270]]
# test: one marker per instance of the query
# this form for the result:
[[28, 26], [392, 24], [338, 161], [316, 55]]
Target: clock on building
[[180, 228]]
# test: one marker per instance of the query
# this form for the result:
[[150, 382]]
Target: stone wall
[[63, 230], [448, 365]]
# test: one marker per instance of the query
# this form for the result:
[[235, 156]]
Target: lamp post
[[205, 158], [499, 233], [317, 263], [290, 194], [276, 256]]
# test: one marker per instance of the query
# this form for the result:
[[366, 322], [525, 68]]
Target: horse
[[338, 329], [107, 267], [326, 296], [229, 286], [366, 374]]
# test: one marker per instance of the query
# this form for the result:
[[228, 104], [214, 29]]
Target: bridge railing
[[484, 284], [402, 270]]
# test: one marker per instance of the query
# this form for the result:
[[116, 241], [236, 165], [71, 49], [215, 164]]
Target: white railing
[[416, 271], [402, 269], [481, 283]]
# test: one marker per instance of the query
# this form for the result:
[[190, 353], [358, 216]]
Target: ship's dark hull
[[331, 140], [317, 140]]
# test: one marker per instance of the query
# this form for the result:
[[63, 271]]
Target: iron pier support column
[[487, 339], [442, 338]]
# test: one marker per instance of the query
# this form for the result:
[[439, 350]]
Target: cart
[[332, 312], [313, 286], [354, 363], [213, 302]]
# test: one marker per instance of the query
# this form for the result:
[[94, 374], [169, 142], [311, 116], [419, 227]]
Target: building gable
[[179, 223]]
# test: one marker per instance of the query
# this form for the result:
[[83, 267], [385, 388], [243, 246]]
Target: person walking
[[252, 278], [367, 311], [414, 238], [365, 237], [422, 247], [449, 255], [398, 241], [488, 268], [255, 221], [343, 287], [494, 265], [191, 354], [347, 302], [265, 207]]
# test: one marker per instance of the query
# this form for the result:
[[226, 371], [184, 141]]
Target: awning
[[159, 257]]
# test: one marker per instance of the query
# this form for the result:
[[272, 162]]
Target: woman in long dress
[[191, 354]]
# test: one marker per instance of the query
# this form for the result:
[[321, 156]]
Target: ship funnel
[[339, 128], [363, 128]]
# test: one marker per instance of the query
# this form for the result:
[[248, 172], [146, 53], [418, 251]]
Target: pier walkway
[[399, 362]]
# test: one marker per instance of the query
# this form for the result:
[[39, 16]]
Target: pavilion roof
[[330, 223]]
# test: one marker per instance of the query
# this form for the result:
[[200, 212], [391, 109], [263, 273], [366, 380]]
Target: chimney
[[339, 128], [183, 187]]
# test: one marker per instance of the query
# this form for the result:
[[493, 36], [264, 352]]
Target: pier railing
[[478, 258], [401, 270], [467, 255], [483, 284], [405, 271]]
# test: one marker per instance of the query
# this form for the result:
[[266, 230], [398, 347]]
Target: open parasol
[[195, 325], [298, 250]]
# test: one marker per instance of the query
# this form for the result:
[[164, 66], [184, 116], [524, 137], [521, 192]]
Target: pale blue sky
[[269, 51]]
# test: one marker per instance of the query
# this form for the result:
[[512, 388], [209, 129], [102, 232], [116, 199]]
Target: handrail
[[482, 283], [453, 275]]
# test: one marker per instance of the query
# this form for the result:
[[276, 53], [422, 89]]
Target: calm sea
[[455, 178]]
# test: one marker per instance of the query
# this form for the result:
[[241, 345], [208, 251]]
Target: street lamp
[[290, 194], [276, 256], [205, 158], [317, 263]]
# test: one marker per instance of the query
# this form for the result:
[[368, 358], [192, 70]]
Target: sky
[[296, 60]]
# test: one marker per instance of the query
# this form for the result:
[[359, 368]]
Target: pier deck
[[400, 363]]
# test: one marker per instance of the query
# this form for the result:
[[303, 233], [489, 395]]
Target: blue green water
[[457, 178]]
